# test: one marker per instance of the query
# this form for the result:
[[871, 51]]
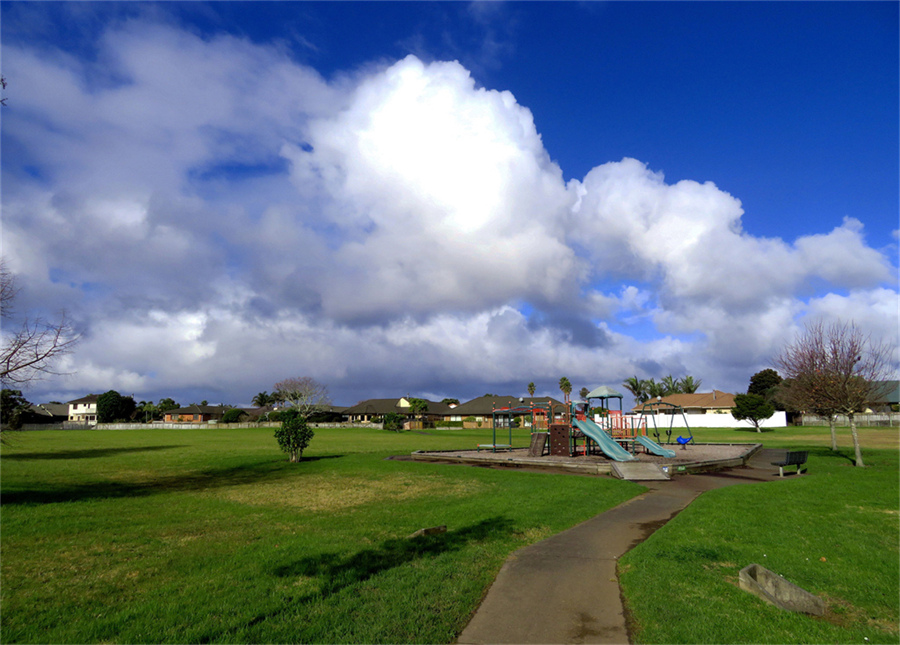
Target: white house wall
[[777, 420]]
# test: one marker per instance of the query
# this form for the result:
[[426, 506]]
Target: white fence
[[777, 420]]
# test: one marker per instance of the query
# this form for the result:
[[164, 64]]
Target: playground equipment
[[564, 425], [652, 409], [609, 446], [539, 413], [655, 448]]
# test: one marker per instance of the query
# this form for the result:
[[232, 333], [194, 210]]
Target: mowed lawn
[[196, 536], [211, 535], [834, 531]]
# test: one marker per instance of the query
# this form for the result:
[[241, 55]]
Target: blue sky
[[446, 199]]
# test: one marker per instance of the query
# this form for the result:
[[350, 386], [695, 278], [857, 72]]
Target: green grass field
[[833, 531], [212, 536]]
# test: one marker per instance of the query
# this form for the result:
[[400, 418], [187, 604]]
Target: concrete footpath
[[565, 589]]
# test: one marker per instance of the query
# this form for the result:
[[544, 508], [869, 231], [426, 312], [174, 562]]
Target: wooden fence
[[884, 419]]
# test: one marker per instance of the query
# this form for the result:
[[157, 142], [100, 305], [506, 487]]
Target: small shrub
[[234, 415], [294, 434], [448, 424], [393, 421]]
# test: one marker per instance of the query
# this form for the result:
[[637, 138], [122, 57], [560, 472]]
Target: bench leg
[[781, 471]]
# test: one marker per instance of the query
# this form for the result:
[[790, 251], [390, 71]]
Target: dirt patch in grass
[[843, 614], [334, 493]]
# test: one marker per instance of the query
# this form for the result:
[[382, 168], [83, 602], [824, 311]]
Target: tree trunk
[[833, 433], [859, 459], [294, 457]]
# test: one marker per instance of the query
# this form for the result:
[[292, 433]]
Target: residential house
[[323, 414], [46, 413], [371, 409], [196, 414], [84, 410], [887, 397], [715, 402], [479, 413]]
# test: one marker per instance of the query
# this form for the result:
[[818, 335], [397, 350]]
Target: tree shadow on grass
[[210, 479], [88, 453], [827, 452], [336, 572]]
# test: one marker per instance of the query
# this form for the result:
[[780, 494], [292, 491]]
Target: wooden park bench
[[792, 458]]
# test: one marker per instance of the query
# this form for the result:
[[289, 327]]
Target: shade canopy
[[604, 392]]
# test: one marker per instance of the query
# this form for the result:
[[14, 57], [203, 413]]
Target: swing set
[[652, 409]]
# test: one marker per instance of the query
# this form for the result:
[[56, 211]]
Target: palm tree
[[655, 390], [565, 387], [637, 387], [688, 385], [531, 389], [669, 385], [262, 399]]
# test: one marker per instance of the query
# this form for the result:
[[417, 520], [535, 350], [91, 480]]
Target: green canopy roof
[[604, 392]]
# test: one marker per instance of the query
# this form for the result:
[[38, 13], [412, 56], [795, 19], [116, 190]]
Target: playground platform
[[692, 458]]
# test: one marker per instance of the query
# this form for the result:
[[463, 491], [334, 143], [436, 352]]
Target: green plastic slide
[[607, 444]]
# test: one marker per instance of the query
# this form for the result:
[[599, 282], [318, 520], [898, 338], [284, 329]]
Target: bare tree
[[303, 393], [29, 353], [836, 369]]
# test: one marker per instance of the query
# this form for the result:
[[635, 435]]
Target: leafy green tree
[[393, 421], [13, 407], [112, 406], [294, 433], [753, 408], [234, 415], [583, 393], [763, 381], [449, 401], [531, 389], [565, 387], [418, 407], [166, 404]]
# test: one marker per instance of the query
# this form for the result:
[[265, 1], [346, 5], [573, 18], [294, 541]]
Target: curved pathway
[[565, 588]]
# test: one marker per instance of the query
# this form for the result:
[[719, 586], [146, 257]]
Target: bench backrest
[[796, 457]]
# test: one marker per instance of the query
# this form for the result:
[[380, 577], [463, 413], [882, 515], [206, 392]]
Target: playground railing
[[623, 427]]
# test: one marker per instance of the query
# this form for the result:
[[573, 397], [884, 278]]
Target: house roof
[[90, 398], [715, 400], [487, 404], [888, 392], [200, 409], [386, 406], [51, 409]]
